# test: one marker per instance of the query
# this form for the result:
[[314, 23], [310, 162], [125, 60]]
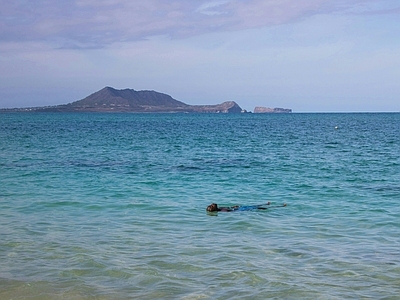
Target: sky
[[308, 55]]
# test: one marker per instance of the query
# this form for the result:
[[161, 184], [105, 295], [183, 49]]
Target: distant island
[[109, 99], [264, 110]]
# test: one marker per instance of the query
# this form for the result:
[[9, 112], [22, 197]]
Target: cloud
[[212, 8], [98, 23]]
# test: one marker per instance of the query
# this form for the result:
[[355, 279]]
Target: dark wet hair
[[212, 207]]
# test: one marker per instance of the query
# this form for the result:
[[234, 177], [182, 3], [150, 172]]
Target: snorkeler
[[214, 207]]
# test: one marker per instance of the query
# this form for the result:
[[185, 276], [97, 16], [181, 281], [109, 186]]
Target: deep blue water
[[112, 206]]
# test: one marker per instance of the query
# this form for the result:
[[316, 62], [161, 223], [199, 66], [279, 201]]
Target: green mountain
[[109, 99]]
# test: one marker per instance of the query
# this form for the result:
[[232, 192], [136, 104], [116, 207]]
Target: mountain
[[109, 99], [127, 99]]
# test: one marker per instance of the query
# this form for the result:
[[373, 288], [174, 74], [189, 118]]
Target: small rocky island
[[266, 110], [109, 99]]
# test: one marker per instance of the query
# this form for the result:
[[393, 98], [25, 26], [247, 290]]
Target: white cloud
[[90, 23], [212, 8]]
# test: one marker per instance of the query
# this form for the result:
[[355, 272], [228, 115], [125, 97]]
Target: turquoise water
[[112, 206]]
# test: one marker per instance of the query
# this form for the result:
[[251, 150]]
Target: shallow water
[[112, 206]]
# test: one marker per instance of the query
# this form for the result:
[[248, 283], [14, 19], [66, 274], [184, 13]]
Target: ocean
[[113, 206]]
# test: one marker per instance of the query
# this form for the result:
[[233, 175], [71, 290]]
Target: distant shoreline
[[111, 100]]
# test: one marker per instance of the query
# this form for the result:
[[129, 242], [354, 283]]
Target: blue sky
[[309, 55]]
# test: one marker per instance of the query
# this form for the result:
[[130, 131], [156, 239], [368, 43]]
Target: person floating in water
[[214, 207]]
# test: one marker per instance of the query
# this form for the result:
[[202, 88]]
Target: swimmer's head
[[212, 207]]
